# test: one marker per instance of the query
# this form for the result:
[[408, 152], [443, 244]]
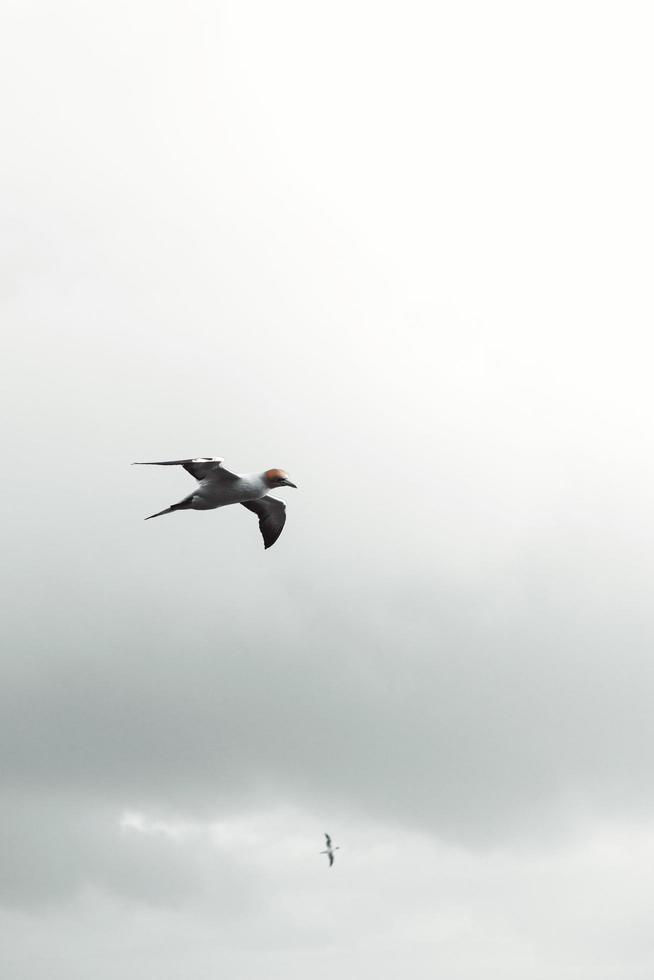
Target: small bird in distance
[[330, 850], [218, 487]]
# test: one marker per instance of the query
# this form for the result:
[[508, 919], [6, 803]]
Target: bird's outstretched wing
[[200, 468], [329, 840], [331, 858], [272, 517]]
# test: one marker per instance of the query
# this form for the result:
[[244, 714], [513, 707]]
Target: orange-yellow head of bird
[[278, 478]]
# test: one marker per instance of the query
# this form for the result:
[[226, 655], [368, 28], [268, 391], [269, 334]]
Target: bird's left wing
[[331, 858], [199, 468], [329, 840], [272, 517]]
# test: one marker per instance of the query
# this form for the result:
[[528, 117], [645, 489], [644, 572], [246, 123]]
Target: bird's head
[[278, 478]]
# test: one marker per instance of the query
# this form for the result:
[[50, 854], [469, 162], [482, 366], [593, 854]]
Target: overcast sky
[[404, 251]]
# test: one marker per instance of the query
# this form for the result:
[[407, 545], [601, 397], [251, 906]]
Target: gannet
[[218, 487], [330, 850]]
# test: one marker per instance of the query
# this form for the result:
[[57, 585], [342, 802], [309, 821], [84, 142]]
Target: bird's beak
[[289, 484]]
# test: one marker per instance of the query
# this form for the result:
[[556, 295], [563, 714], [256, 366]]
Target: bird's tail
[[168, 510]]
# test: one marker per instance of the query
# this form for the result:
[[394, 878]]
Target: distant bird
[[330, 850], [218, 487]]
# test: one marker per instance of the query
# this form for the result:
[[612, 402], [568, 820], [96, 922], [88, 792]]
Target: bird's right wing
[[329, 840], [331, 858], [272, 517], [200, 468]]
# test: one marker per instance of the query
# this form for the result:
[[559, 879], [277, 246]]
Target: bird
[[218, 487], [330, 850]]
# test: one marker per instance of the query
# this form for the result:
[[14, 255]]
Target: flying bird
[[218, 487], [330, 850]]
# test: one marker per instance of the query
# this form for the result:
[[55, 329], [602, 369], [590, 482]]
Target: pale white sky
[[403, 251]]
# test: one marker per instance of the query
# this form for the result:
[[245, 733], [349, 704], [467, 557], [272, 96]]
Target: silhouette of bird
[[330, 850]]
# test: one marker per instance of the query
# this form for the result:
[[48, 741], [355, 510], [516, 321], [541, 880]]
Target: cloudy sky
[[404, 251]]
